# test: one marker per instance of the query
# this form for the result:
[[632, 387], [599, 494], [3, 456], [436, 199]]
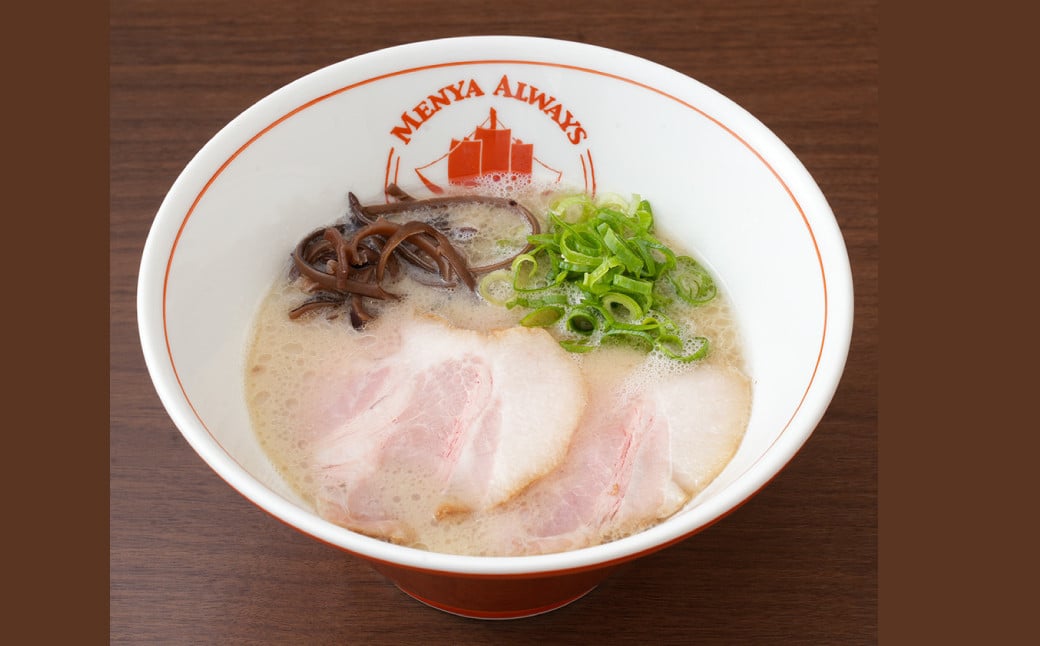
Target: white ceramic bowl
[[719, 181]]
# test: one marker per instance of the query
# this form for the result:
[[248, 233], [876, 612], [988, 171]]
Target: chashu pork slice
[[636, 459], [445, 421]]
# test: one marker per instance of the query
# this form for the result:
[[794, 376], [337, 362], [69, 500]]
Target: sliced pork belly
[[691, 426], [447, 421], [633, 462]]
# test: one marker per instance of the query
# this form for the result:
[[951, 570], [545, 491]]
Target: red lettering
[[445, 96], [410, 126], [577, 135], [474, 89], [539, 97], [437, 101], [503, 88], [423, 110], [568, 121], [456, 91], [554, 112]]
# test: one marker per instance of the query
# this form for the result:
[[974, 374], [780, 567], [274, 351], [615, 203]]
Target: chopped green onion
[[667, 344], [493, 286], [575, 267], [543, 316], [691, 281], [582, 321], [519, 263], [644, 215], [633, 337], [612, 300], [541, 300], [649, 324], [573, 255], [570, 345], [632, 285], [597, 282], [624, 278], [627, 257]]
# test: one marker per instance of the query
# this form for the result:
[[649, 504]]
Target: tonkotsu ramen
[[496, 375]]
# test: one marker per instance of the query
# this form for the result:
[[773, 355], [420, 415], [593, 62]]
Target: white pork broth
[[306, 379]]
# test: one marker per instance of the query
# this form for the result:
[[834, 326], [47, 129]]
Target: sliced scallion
[[600, 272], [543, 316]]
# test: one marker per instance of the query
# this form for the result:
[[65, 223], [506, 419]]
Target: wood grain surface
[[193, 562]]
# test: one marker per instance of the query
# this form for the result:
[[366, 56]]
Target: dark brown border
[[957, 549], [56, 110]]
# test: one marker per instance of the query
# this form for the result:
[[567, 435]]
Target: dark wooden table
[[194, 562]]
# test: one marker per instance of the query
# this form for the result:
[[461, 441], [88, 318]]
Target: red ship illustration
[[488, 152]]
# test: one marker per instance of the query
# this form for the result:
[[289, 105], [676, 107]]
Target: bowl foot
[[496, 614], [494, 596]]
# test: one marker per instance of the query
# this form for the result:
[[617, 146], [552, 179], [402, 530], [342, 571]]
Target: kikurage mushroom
[[342, 265]]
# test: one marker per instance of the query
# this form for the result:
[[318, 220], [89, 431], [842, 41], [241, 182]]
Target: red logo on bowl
[[490, 150]]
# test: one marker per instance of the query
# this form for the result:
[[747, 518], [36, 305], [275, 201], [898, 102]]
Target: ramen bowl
[[580, 116]]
